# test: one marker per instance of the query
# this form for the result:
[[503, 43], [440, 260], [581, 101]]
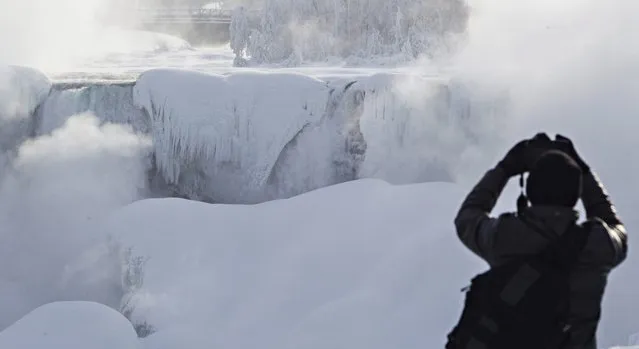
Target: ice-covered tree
[[240, 32], [312, 30]]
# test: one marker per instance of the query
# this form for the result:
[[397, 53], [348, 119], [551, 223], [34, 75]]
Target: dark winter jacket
[[497, 239]]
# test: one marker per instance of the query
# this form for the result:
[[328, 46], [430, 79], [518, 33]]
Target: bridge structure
[[197, 25], [183, 15]]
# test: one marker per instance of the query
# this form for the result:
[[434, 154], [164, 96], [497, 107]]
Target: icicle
[[210, 128]]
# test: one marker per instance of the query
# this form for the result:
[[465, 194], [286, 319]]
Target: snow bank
[[218, 137], [354, 265], [363, 264], [71, 325]]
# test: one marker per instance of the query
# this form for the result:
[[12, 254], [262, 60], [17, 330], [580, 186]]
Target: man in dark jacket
[[557, 180]]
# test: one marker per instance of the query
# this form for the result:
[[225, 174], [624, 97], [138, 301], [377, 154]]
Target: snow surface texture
[[362, 272], [71, 325], [300, 31], [367, 270]]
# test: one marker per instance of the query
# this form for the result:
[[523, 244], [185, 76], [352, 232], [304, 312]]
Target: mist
[[59, 35], [45, 33], [52, 195]]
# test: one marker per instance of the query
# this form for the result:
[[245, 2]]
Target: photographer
[[558, 178]]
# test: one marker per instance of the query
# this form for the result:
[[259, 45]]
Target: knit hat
[[554, 180]]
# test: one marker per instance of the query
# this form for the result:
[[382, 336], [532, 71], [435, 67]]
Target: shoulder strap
[[568, 246]]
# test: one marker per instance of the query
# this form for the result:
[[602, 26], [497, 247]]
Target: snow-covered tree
[[312, 30], [240, 32]]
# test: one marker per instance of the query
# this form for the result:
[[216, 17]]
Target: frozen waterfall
[[111, 103], [250, 137]]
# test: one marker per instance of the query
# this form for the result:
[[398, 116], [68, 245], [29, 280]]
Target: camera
[[541, 143]]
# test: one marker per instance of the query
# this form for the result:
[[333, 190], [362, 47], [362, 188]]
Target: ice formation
[[249, 137], [253, 136], [220, 136], [111, 103]]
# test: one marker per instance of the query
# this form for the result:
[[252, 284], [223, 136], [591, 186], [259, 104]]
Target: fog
[[58, 35], [52, 193], [45, 33]]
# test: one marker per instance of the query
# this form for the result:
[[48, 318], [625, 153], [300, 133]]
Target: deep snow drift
[[360, 264], [71, 325], [354, 265]]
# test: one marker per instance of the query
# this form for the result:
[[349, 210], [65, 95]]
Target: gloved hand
[[524, 154], [564, 144], [536, 147], [514, 162]]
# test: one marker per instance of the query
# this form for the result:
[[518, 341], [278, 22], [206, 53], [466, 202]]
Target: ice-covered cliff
[[247, 137]]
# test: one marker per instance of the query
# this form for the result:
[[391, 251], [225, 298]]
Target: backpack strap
[[568, 246]]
